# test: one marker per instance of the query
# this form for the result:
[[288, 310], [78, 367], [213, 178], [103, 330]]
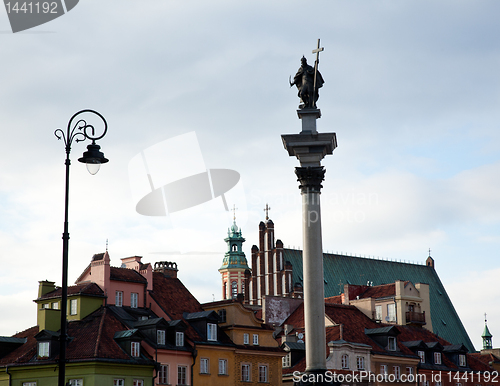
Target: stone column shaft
[[314, 293]]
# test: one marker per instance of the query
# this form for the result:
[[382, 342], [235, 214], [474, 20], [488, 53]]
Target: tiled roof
[[126, 274], [173, 297], [90, 339], [486, 358], [358, 270], [89, 289], [334, 299], [379, 291]]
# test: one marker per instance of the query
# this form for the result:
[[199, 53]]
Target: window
[[179, 338], [383, 369], [378, 312], [263, 373], [437, 383], [462, 360], [135, 349], [163, 375], [119, 298], [55, 305], [43, 349], [119, 382], [222, 366], [138, 382], [409, 371], [234, 289], [397, 371], [160, 336], [181, 375], [222, 315], [345, 361], [286, 360], [76, 382], [360, 363], [211, 331], [204, 366], [133, 299], [425, 383], [73, 305], [392, 343], [46, 305], [437, 358], [245, 372], [421, 354], [391, 312], [29, 383], [246, 339], [256, 339]]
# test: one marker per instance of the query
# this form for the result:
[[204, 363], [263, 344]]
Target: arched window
[[234, 248], [234, 289]]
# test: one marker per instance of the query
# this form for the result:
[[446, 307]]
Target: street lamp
[[81, 131]]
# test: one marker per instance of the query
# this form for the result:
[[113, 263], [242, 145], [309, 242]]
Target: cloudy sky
[[412, 90]]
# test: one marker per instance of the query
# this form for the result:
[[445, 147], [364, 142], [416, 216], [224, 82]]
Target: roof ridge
[[99, 332]]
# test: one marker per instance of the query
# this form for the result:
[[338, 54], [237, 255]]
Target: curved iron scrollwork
[[81, 130]]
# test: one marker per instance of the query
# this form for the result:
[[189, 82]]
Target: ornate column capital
[[310, 178]]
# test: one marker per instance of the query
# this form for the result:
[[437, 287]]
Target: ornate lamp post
[[81, 131]]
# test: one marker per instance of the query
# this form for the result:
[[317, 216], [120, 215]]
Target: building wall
[[213, 378], [246, 357], [92, 373]]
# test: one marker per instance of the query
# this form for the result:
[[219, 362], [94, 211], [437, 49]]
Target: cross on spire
[[267, 209], [234, 212], [316, 64], [429, 251], [485, 320]]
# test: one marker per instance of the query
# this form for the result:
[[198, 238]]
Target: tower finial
[[234, 212], [429, 251], [267, 209], [485, 320], [106, 245]]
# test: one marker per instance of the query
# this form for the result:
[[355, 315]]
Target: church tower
[[234, 270], [487, 337]]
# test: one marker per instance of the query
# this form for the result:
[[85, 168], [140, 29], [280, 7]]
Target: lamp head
[[93, 158]]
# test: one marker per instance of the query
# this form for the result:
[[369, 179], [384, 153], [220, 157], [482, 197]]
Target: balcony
[[413, 317]]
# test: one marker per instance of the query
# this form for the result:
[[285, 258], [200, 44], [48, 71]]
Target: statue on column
[[308, 81]]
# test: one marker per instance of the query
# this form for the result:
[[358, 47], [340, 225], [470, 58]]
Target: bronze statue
[[308, 81]]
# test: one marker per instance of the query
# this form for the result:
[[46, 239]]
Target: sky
[[412, 91]]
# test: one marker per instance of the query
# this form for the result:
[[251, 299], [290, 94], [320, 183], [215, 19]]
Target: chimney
[[168, 268], [44, 287]]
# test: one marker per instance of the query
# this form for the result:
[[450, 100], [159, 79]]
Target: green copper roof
[[340, 270], [486, 332]]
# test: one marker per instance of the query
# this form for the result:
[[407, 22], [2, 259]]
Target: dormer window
[[392, 344], [135, 349], [437, 358], [421, 354], [462, 361], [160, 336], [211, 331], [73, 306], [179, 339], [43, 349]]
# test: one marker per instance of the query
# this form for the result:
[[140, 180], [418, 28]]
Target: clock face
[[300, 335]]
